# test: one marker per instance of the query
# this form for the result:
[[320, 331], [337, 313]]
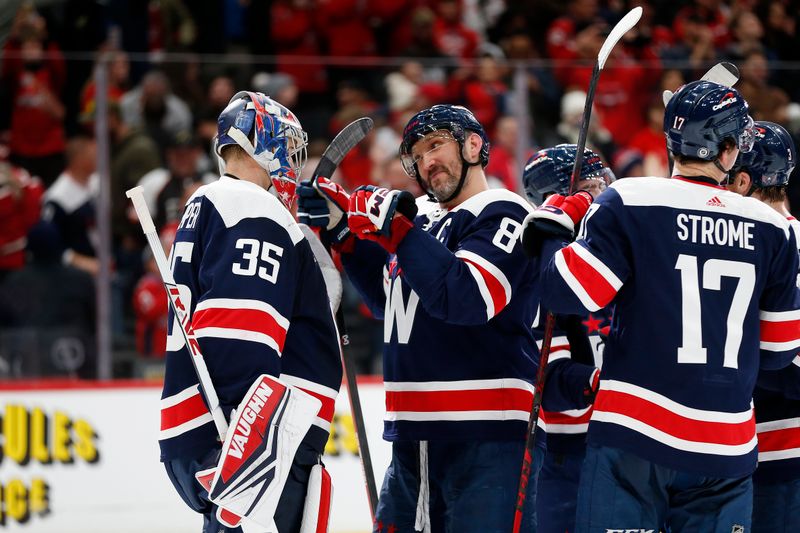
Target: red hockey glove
[[381, 215], [556, 218], [322, 204], [590, 392]]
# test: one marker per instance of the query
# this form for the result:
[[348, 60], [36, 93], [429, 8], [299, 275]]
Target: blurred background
[[97, 96]]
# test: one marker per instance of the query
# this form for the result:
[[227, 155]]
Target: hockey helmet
[[773, 157], [702, 114], [270, 133], [550, 171]]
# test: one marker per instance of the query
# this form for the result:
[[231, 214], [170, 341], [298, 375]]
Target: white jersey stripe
[[237, 334], [471, 384], [483, 289]]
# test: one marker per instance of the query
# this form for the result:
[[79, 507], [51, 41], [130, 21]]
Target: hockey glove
[[381, 215], [590, 392], [322, 204], [556, 218]]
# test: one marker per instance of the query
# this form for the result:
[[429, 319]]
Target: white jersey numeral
[[508, 234], [269, 265], [691, 349]]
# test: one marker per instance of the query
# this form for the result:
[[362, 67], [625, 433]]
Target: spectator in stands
[[219, 93], [575, 35], [598, 137], [649, 141], [133, 154], [165, 188], [33, 76], [766, 101], [453, 38], [484, 91], [710, 15], [118, 68], [422, 43], [150, 304], [20, 197], [694, 44], [292, 25], [70, 205], [48, 309], [153, 107], [402, 85], [544, 94], [747, 32], [346, 31], [503, 169]]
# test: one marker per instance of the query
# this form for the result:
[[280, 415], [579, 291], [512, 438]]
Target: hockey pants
[[455, 487]]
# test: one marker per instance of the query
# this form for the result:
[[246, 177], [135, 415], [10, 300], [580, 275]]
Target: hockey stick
[[345, 141], [136, 195], [723, 73], [626, 23]]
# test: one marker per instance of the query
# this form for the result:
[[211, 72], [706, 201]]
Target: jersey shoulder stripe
[[236, 200]]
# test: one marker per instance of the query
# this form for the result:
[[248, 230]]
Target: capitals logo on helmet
[[701, 115], [270, 134], [772, 159], [549, 171]]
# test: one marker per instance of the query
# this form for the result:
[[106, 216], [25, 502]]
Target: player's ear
[[472, 147]]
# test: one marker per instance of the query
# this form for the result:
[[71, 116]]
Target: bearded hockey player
[[703, 284], [258, 306], [577, 345], [458, 298], [763, 173]]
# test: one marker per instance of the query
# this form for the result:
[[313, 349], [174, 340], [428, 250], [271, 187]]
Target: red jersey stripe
[[592, 281], [496, 290], [183, 412], [459, 400], [656, 416], [245, 319]]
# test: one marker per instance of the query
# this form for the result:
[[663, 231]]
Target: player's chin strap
[[465, 165]]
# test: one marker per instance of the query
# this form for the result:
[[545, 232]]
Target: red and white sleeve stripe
[[248, 320], [572, 422], [324, 394], [780, 331], [590, 279], [673, 424], [559, 348], [183, 412], [492, 283]]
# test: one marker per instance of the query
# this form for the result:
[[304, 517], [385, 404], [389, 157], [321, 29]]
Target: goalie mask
[[549, 171], [457, 120], [772, 159], [270, 134]]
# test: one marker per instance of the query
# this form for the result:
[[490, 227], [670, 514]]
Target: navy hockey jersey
[[578, 341], [777, 403], [258, 306], [458, 301], [703, 282]]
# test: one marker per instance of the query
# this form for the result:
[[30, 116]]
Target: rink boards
[[84, 458]]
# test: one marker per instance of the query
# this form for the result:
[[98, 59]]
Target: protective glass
[[434, 141], [747, 138]]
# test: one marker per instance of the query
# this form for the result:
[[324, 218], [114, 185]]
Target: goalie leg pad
[[317, 511], [259, 448]]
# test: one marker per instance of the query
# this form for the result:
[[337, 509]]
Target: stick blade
[[626, 23], [346, 139], [723, 73]]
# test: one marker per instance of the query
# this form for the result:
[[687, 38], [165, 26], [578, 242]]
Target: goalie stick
[[621, 28], [345, 141], [136, 195]]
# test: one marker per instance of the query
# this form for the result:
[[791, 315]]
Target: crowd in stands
[[172, 69]]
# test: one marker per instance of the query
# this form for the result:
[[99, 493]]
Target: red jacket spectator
[[20, 199], [709, 15], [150, 307], [35, 84], [344, 25], [292, 31], [452, 37]]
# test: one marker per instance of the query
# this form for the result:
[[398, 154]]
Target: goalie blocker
[[258, 453]]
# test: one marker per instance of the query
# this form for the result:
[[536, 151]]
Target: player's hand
[[590, 392], [381, 215], [323, 204], [556, 218]]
